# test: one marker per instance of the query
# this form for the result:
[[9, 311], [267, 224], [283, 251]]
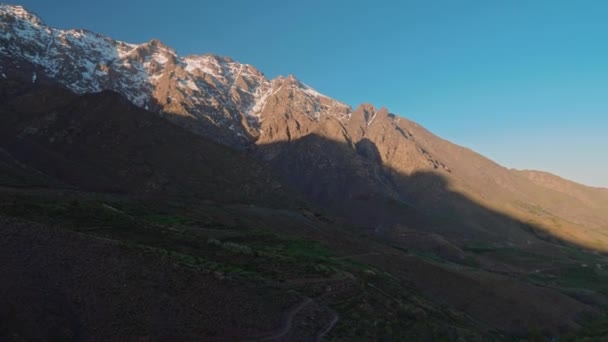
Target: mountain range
[[212, 147]]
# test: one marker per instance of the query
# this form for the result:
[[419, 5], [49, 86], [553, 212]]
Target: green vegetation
[[588, 277], [582, 256], [479, 247], [426, 255], [245, 252], [407, 316], [168, 220], [72, 213], [202, 263], [300, 249], [189, 236], [595, 330], [471, 261], [201, 238], [585, 271]]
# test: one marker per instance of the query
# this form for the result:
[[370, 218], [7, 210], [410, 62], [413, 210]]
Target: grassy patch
[[595, 330], [174, 229], [168, 220], [584, 257], [479, 247], [426, 255], [73, 213], [471, 262], [588, 277], [302, 249], [223, 269]]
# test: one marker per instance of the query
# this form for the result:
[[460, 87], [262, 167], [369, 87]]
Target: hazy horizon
[[521, 83]]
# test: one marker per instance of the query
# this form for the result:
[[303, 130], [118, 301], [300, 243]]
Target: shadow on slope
[[101, 142], [422, 214], [351, 181]]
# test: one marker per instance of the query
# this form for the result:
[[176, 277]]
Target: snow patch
[[191, 85], [21, 13], [139, 100], [258, 106], [203, 64], [124, 49], [188, 84], [160, 58], [34, 76], [372, 119], [90, 69], [156, 77], [310, 91]]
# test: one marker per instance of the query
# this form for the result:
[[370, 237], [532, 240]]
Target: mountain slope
[[401, 162], [379, 155], [101, 142]]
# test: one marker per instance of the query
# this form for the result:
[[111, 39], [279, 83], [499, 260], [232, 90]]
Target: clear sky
[[523, 82]]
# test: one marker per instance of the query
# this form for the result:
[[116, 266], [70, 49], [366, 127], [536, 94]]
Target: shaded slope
[[101, 142], [370, 285], [383, 157], [74, 287]]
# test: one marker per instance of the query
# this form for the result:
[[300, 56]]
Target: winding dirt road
[[288, 323], [332, 323]]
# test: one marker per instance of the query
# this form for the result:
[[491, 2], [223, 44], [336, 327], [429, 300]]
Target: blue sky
[[523, 82]]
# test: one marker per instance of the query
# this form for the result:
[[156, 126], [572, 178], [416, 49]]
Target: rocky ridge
[[211, 95]]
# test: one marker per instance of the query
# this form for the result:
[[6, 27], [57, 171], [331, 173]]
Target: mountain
[[112, 190], [212, 95], [148, 195], [378, 157]]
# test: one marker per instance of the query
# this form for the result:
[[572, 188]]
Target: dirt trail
[[288, 325], [332, 323], [287, 322]]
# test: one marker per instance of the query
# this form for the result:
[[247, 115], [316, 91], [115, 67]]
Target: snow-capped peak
[[17, 11], [209, 89]]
